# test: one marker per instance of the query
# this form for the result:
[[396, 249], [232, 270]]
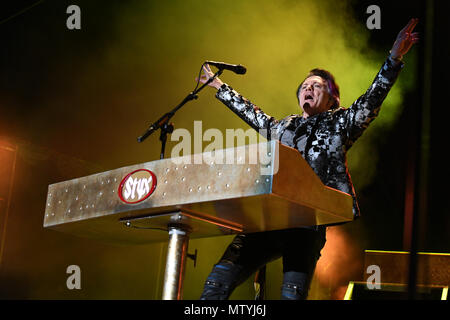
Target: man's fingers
[[412, 24], [414, 35], [405, 29], [207, 70]]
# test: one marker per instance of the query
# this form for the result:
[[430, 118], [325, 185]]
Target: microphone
[[236, 68]]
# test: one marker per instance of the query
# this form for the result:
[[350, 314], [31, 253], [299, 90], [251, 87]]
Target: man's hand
[[405, 39], [207, 74]]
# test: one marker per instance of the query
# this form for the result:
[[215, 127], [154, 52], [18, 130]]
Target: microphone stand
[[163, 122], [178, 233]]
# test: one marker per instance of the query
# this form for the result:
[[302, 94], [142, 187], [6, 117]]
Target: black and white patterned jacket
[[323, 139]]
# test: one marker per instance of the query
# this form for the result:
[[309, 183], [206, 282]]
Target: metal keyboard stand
[[196, 201]]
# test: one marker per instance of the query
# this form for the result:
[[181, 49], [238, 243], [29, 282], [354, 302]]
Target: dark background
[[405, 145]]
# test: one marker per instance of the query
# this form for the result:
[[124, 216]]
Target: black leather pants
[[300, 249]]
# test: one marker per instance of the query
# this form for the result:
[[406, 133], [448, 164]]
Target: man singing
[[323, 134]]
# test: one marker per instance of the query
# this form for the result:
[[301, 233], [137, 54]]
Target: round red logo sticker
[[137, 186]]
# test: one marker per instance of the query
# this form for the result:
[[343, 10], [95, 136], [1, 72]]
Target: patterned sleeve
[[247, 111], [365, 109]]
